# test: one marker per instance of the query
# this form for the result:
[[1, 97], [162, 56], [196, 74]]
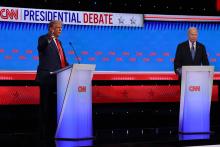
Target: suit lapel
[[55, 46], [197, 51], [189, 51]]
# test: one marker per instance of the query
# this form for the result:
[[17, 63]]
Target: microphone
[[77, 57]]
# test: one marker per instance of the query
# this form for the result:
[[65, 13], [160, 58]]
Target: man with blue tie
[[190, 52], [51, 58]]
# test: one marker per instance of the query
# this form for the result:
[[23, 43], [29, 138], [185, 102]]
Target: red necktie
[[60, 50]]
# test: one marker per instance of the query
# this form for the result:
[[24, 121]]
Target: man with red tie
[[51, 58]]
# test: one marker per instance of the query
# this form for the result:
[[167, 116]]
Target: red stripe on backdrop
[[135, 76], [119, 94], [17, 75], [102, 76], [2, 50], [19, 95], [126, 94], [29, 51], [183, 18], [218, 5]]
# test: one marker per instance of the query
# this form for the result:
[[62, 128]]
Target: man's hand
[[179, 70]]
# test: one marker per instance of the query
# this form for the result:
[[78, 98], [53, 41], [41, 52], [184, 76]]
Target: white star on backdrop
[[121, 20], [133, 21]]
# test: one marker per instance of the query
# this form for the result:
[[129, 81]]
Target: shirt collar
[[190, 44]]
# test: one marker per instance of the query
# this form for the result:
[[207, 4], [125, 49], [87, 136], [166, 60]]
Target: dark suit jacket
[[183, 55], [49, 59]]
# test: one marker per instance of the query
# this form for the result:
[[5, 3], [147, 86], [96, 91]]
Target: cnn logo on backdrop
[[194, 88], [82, 89], [9, 13]]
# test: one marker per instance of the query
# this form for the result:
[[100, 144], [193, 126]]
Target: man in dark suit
[[51, 58], [190, 52]]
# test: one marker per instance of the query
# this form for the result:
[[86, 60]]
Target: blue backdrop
[[151, 48]]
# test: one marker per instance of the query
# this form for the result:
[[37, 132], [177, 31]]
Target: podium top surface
[[77, 67], [198, 68]]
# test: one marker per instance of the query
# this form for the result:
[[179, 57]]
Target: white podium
[[74, 102], [195, 102]]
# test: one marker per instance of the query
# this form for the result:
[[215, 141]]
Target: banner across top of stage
[[28, 15]]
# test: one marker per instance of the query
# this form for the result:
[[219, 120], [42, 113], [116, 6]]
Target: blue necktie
[[193, 51]]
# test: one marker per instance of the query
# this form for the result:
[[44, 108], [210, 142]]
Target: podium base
[[192, 133], [75, 139], [195, 136]]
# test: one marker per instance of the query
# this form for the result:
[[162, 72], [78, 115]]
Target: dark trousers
[[48, 102]]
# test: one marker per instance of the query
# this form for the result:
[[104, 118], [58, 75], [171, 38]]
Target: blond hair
[[53, 22]]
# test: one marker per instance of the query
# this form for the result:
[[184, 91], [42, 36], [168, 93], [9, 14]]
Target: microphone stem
[[77, 57]]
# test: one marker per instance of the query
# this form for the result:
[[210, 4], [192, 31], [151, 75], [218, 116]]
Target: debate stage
[[129, 109]]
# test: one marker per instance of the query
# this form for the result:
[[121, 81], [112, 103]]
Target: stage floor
[[136, 137]]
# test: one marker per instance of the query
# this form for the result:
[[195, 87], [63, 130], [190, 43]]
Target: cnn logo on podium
[[82, 89], [194, 88]]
